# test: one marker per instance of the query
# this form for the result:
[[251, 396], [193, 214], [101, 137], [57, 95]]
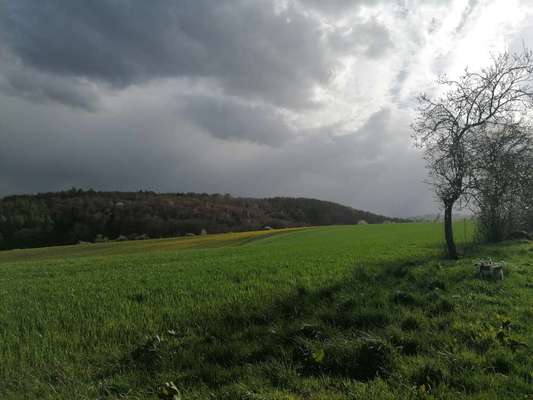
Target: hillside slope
[[72, 216]]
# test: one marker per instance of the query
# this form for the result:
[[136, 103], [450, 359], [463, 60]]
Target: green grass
[[138, 246], [350, 312]]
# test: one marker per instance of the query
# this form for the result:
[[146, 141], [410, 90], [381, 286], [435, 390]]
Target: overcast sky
[[252, 97]]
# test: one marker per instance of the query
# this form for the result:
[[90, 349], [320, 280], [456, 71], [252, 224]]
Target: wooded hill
[[71, 216]]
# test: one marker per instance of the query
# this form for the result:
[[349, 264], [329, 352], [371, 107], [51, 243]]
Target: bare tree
[[446, 126]]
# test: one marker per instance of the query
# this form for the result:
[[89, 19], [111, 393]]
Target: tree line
[[76, 215]]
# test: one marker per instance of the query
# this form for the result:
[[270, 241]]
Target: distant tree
[[448, 125]]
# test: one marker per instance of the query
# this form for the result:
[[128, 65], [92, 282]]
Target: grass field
[[352, 312], [138, 246]]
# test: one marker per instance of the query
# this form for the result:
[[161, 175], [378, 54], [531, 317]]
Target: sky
[[255, 98]]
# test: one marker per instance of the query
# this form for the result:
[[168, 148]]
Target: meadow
[[341, 312]]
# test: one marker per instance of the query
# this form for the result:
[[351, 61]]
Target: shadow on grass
[[347, 329], [360, 328]]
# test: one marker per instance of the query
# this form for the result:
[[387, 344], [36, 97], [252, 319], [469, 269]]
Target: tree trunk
[[448, 231]]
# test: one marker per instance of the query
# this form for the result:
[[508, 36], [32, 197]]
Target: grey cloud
[[369, 38], [374, 135], [42, 87], [191, 96], [230, 120], [398, 84], [386, 177], [52, 148], [340, 7], [337, 6], [248, 47], [150, 147]]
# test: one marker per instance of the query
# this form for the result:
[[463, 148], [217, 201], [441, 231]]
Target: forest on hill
[[69, 217]]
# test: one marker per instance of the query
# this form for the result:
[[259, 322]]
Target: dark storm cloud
[[47, 147], [251, 97], [230, 120], [247, 46], [141, 148], [42, 87]]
